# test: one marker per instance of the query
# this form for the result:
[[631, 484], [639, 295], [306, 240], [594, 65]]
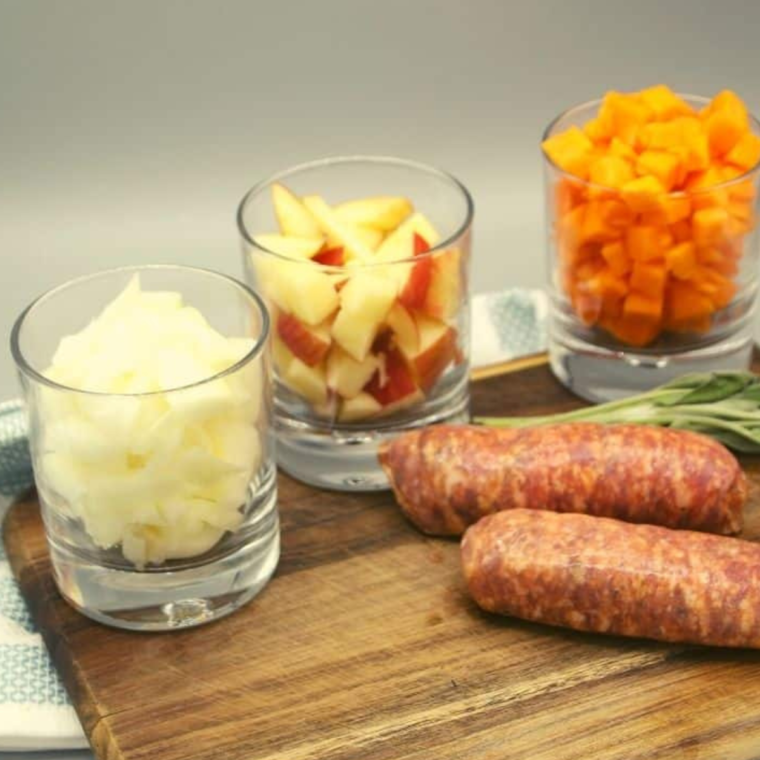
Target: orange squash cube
[[645, 243], [643, 194], [703, 191], [681, 231], [684, 302], [643, 306], [692, 147], [608, 285], [610, 172], [570, 150], [623, 115], [664, 103], [675, 208], [726, 119], [681, 259], [709, 226], [660, 164], [632, 330], [738, 191], [649, 279], [746, 153], [567, 195], [618, 148], [595, 131], [727, 100], [719, 289], [616, 257]]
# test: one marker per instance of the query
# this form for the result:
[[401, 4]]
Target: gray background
[[129, 132]]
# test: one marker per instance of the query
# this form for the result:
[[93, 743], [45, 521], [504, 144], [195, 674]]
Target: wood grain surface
[[365, 645]]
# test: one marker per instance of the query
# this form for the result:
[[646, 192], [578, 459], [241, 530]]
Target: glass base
[[345, 459], [599, 374], [168, 598]]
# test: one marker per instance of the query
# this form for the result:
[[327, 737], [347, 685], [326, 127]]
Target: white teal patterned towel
[[35, 712]]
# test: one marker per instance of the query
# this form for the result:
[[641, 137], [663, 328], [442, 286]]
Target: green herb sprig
[[723, 405]]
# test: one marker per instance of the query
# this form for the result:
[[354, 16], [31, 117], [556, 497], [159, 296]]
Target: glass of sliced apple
[[363, 264], [149, 396]]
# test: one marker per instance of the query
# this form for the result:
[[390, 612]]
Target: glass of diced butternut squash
[[362, 262], [652, 203]]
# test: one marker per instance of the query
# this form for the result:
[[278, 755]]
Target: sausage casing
[[606, 576], [447, 477]]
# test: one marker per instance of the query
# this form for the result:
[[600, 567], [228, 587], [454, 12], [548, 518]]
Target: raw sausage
[[606, 576], [447, 477]]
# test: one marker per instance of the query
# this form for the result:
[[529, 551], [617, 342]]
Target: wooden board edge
[[509, 366]]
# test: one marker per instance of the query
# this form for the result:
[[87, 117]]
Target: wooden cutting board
[[365, 645]]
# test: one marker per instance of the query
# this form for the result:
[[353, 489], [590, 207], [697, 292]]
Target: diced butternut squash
[[649, 279], [645, 243], [643, 194], [571, 151], [610, 172], [724, 129], [616, 257], [660, 164], [709, 226], [651, 234], [681, 259], [746, 153], [681, 231], [676, 208], [683, 302], [639, 305], [619, 148], [664, 103]]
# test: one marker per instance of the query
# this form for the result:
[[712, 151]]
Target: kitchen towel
[[35, 711]]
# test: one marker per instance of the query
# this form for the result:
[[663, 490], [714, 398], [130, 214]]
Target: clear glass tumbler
[[697, 248], [363, 263], [149, 396]]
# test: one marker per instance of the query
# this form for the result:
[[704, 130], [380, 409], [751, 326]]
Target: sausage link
[[448, 477], [606, 576]]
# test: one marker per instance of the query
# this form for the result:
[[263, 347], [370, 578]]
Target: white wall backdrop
[[129, 131]]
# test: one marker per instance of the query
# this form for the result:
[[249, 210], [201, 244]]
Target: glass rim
[[27, 369], [696, 99], [356, 159]]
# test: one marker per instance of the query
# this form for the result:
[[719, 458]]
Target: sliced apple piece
[[345, 375], [404, 328], [394, 388], [445, 290], [337, 231], [437, 349], [332, 257], [365, 301], [384, 213], [292, 247], [415, 289], [306, 381], [309, 344], [297, 287], [358, 408], [370, 236], [400, 243], [292, 216]]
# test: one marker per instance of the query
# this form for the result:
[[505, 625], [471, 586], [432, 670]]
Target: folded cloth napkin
[[35, 711]]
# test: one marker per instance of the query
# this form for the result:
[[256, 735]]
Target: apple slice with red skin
[[437, 349], [444, 293], [415, 289], [309, 344], [395, 386], [332, 257], [404, 329]]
